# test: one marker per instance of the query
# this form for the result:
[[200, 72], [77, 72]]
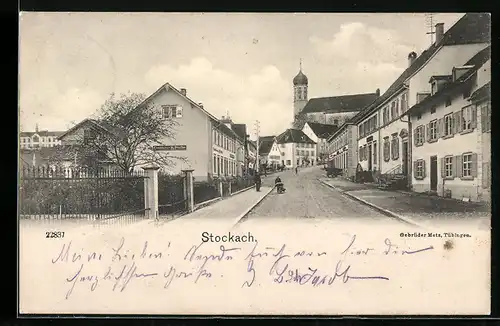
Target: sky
[[241, 64]]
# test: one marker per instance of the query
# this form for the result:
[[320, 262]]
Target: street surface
[[306, 197]]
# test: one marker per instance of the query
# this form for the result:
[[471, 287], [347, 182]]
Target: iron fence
[[241, 183], [171, 194], [80, 193]]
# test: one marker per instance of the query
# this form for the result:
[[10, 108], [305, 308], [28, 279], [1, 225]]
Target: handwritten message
[[164, 265]]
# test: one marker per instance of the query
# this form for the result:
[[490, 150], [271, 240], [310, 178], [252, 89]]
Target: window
[[215, 164], [485, 111], [214, 137], [305, 93], [419, 116], [467, 118], [404, 102], [298, 152], [288, 162], [448, 101], [386, 115], [432, 131], [387, 149], [448, 125], [374, 152], [171, 111], [218, 165], [360, 153], [360, 131], [419, 169], [434, 88], [312, 153], [395, 147], [467, 165], [448, 167], [88, 136], [35, 139], [433, 109], [419, 136], [394, 113]]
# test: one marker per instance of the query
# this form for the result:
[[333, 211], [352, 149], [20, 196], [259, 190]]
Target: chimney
[[183, 91], [439, 32], [201, 105], [411, 58], [377, 92]]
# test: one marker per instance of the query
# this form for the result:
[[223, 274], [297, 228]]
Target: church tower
[[300, 84]]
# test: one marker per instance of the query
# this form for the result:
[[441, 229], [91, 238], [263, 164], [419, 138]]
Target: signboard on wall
[[170, 148]]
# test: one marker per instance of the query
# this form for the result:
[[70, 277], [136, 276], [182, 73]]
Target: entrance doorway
[[404, 158], [434, 173], [370, 156]]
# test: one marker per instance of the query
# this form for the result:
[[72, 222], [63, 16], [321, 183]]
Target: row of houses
[[431, 128], [208, 145]]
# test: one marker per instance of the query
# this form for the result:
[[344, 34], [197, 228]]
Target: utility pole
[[257, 133]]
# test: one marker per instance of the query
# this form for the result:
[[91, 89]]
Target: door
[[434, 173], [370, 157], [404, 158]]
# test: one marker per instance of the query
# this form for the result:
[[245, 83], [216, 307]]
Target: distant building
[[39, 138], [451, 152], [319, 133], [333, 110], [269, 154], [343, 148], [296, 148]]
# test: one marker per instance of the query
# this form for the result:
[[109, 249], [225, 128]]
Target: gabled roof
[[240, 129], [471, 28], [41, 133], [99, 124], [294, 136], [265, 144], [482, 92], [440, 77], [477, 61], [337, 104], [322, 130]]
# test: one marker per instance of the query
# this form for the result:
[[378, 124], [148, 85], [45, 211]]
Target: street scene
[[229, 157]]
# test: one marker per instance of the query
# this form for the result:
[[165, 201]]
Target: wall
[[289, 154], [194, 131], [310, 133], [274, 154], [484, 74], [299, 99], [441, 64]]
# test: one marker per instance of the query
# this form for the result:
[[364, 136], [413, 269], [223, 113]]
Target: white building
[[451, 151], [319, 133], [39, 138], [296, 148], [384, 146], [343, 149]]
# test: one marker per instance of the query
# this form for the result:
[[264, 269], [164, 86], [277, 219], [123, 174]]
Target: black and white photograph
[[254, 163]]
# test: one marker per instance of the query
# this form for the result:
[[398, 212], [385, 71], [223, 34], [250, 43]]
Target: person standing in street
[[296, 170], [258, 181]]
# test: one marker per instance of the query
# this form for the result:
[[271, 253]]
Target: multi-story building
[[268, 156], [343, 148], [39, 138], [319, 133], [296, 148], [384, 145], [451, 152]]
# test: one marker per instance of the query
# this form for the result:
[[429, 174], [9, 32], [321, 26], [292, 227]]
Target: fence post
[[221, 189], [189, 189], [151, 200]]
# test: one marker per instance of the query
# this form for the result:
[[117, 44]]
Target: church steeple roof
[[300, 79]]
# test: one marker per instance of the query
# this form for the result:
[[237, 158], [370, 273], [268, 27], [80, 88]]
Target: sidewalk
[[414, 208], [227, 211]]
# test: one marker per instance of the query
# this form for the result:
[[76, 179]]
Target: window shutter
[[428, 129], [415, 169], [415, 136], [455, 118], [422, 132], [474, 117], [440, 128], [443, 168], [179, 112], [482, 112], [458, 166], [459, 121], [423, 169], [473, 168], [454, 166]]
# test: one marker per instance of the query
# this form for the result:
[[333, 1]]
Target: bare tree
[[124, 133]]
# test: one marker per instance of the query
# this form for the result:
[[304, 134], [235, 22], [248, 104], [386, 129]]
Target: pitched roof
[[476, 62], [482, 92], [265, 144], [294, 136], [240, 129], [100, 124], [471, 28], [41, 133], [337, 104], [322, 130]]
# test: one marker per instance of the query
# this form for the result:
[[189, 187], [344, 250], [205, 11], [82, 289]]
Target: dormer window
[[434, 88]]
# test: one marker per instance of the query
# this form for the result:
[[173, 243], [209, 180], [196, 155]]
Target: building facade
[[39, 138], [343, 149], [384, 144], [296, 149], [319, 133], [451, 152]]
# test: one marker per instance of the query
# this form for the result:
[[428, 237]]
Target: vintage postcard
[[262, 164]]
